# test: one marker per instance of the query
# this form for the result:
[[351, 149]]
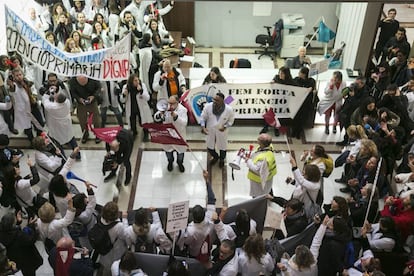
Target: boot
[[326, 129], [334, 129]]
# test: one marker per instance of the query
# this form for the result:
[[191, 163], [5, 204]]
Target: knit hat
[[4, 140]]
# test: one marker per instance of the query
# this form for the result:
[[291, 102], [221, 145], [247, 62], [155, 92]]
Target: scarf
[[218, 110], [64, 257], [218, 266]]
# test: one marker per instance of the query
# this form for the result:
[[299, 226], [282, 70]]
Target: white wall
[[232, 24]]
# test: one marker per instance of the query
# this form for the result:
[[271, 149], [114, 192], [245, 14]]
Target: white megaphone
[[162, 105], [235, 164]]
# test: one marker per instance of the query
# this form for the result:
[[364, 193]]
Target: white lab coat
[[4, 128], [142, 100], [105, 96], [252, 267], [180, 124], [145, 58], [22, 109], [162, 89], [213, 123], [330, 97], [58, 119]]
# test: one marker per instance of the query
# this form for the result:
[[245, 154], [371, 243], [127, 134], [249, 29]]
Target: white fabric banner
[[105, 64], [250, 101]]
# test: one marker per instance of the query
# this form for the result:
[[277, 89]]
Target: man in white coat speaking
[[215, 120], [59, 120], [176, 114]]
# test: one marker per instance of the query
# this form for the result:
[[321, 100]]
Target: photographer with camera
[[122, 149], [86, 92], [54, 85]]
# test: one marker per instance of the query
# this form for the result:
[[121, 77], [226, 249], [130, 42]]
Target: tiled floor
[[153, 185]]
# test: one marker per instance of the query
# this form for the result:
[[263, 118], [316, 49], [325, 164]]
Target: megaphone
[[162, 105], [235, 164], [71, 175]]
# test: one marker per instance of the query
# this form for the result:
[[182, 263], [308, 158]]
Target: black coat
[[21, 248], [296, 223], [331, 258]]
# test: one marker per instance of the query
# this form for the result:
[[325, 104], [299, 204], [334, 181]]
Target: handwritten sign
[[177, 216], [105, 64]]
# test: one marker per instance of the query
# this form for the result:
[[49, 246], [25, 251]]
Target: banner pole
[[374, 187], [195, 157]]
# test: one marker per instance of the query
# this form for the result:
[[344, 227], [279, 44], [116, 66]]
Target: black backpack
[[240, 237], [143, 245], [99, 237]]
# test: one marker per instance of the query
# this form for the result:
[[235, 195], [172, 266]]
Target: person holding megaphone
[[262, 166], [175, 114]]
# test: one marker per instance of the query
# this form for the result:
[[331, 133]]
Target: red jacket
[[404, 219]]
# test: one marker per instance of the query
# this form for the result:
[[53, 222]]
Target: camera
[[107, 163], [52, 90]]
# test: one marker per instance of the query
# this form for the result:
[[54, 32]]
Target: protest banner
[[105, 64], [164, 134], [250, 101], [106, 134]]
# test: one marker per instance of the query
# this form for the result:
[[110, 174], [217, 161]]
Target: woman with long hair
[[135, 96], [214, 76], [254, 259]]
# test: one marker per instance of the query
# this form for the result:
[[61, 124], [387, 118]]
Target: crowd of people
[[376, 112]]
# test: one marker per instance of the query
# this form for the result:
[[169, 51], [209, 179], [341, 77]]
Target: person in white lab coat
[[58, 119], [215, 120], [176, 114], [135, 96]]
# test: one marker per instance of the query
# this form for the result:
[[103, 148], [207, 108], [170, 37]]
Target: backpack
[[204, 253], [99, 237], [177, 250], [144, 246], [274, 248], [329, 165], [240, 237]]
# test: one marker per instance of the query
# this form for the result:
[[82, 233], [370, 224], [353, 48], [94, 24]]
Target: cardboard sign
[[177, 216]]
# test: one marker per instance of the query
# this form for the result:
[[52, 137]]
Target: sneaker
[[170, 166], [181, 167], [213, 161], [277, 133], [221, 163], [264, 130], [110, 176], [342, 143], [334, 129], [145, 138], [326, 130], [85, 137], [340, 180]]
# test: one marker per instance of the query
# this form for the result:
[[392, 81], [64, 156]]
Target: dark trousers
[[170, 157], [215, 155], [133, 121], [115, 110]]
